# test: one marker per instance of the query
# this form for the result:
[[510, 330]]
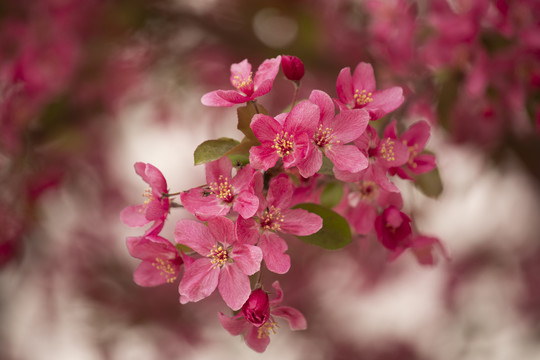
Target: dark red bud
[[292, 67], [256, 310]]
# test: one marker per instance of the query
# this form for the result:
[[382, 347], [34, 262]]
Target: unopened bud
[[292, 67], [256, 310]]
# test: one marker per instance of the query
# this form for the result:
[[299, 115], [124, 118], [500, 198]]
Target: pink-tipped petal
[[234, 325], [248, 258], [296, 320], [215, 169], [199, 281], [417, 134], [344, 86], [273, 248], [247, 231], [256, 342], [387, 100], [246, 204], [280, 191], [203, 206], [265, 127], [213, 99], [222, 229], [363, 77], [348, 158], [300, 222], [233, 286], [266, 73], [303, 118], [134, 216], [311, 163], [325, 104], [262, 157], [194, 235], [348, 125]]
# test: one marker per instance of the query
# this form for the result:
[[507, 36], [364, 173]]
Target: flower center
[[165, 269], [324, 137], [218, 256], [387, 150], [362, 98], [367, 190], [283, 143], [222, 189], [264, 330], [272, 219], [244, 85]]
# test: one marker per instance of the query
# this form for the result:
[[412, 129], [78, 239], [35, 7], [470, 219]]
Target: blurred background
[[89, 87]]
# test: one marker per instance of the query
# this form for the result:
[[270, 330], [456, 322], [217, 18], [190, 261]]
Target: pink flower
[[382, 154], [332, 135], [256, 321], [247, 88], [393, 229], [286, 136], [415, 138], [223, 192], [292, 67], [423, 248], [160, 260], [274, 215], [156, 206], [226, 263], [358, 92]]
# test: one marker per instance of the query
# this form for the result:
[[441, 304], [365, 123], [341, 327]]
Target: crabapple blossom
[[160, 260], [273, 216], [223, 192], [256, 320], [248, 88], [292, 67], [156, 206], [286, 137], [358, 92], [225, 262], [333, 134]]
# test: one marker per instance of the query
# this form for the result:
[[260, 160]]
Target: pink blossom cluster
[[247, 212]]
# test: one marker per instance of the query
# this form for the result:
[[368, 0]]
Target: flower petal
[[311, 163], [134, 216], [199, 281], [265, 75], [347, 157], [222, 230], [303, 118], [247, 230], [233, 286], [263, 157], [203, 206], [256, 342], [280, 191], [213, 99], [348, 125], [248, 258], [240, 70], [325, 104], [296, 320], [363, 77], [246, 204], [344, 86], [300, 222], [386, 101], [195, 235], [234, 325], [273, 249], [265, 127], [215, 169]]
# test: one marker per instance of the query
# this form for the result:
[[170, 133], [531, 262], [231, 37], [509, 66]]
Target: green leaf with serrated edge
[[327, 167], [335, 232], [430, 183], [211, 150], [332, 194], [245, 114]]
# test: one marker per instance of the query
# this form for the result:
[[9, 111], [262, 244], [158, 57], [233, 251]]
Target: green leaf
[[430, 183], [245, 114], [335, 232], [332, 194], [327, 167], [211, 150]]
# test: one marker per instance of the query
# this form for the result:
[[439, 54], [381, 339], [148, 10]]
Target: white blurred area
[[482, 207]]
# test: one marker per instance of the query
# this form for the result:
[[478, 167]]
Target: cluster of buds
[[275, 182]]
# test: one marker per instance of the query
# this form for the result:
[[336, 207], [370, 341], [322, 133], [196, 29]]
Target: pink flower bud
[[256, 310], [292, 67]]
